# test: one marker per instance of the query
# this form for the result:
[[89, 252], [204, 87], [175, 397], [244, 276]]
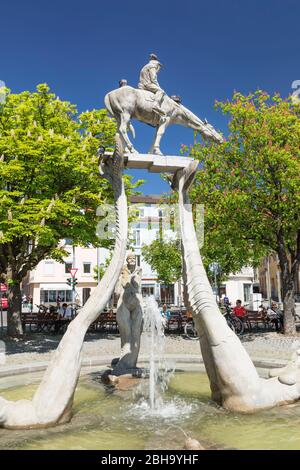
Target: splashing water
[[160, 370]]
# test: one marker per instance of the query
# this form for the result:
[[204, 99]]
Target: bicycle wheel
[[230, 324], [190, 331], [238, 326]]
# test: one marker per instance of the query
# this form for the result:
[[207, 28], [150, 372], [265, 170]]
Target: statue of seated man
[[148, 81], [129, 314]]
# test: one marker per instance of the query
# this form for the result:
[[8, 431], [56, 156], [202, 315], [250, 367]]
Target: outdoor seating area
[[259, 319], [106, 322], [49, 321], [44, 322], [256, 319]]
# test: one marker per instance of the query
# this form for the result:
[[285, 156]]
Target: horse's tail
[[131, 128]]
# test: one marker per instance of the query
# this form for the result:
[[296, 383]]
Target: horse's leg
[[160, 132], [123, 125], [151, 149]]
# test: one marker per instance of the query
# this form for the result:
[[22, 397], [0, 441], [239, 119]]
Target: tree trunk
[[14, 323], [288, 297], [289, 325], [288, 287], [289, 290]]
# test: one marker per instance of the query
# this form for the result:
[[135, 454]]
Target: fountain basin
[[108, 419]]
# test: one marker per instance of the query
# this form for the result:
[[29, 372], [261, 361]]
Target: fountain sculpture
[[234, 381], [129, 315]]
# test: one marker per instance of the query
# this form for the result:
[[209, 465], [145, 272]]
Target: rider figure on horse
[[148, 81]]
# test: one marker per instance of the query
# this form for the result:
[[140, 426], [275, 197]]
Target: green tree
[[250, 187], [49, 183], [164, 257]]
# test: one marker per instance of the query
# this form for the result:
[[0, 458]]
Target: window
[[147, 290], [87, 268], [167, 294], [69, 296], [51, 296], [86, 292], [137, 237], [247, 292], [138, 260], [62, 295], [273, 287], [68, 266], [256, 289], [44, 296], [48, 268]]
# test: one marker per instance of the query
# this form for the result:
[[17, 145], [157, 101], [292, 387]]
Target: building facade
[[270, 279], [48, 282], [151, 219], [241, 286]]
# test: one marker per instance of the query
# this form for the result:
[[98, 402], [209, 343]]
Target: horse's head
[[209, 133], [182, 115]]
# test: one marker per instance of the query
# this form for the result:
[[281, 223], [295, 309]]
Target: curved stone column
[[234, 381]]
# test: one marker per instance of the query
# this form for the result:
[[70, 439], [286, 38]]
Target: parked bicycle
[[43, 309], [190, 329], [235, 323], [297, 317]]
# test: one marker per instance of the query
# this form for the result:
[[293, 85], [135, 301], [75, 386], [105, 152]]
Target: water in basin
[[118, 420]]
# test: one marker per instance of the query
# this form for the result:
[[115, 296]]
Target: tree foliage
[[49, 180], [164, 257]]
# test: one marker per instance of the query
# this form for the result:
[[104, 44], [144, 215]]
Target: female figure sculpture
[[129, 315]]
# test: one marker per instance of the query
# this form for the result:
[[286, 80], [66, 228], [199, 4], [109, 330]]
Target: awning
[[61, 286]]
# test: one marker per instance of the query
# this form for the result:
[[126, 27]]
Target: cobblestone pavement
[[271, 345], [267, 345]]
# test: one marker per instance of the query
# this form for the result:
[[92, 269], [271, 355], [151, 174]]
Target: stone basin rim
[[182, 361]]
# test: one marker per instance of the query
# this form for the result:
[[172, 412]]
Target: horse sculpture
[[127, 103]]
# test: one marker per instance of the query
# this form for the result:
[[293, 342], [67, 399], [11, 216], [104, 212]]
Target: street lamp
[[215, 268], [98, 265]]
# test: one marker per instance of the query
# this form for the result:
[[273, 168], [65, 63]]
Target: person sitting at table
[[65, 312], [239, 311], [275, 315]]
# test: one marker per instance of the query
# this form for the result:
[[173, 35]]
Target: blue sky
[[81, 49]]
